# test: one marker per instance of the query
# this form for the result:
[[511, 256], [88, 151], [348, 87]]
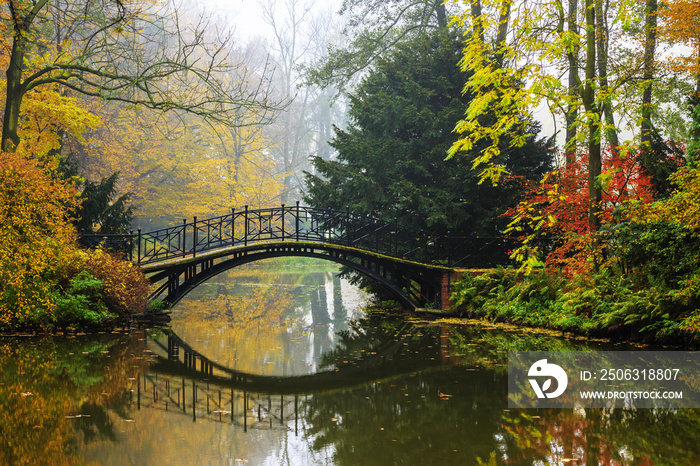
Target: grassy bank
[[599, 305]]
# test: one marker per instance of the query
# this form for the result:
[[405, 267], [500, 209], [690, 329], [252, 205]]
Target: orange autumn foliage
[[680, 24], [555, 212]]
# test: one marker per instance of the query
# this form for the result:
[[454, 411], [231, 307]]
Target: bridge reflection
[[181, 380], [392, 357], [206, 401]]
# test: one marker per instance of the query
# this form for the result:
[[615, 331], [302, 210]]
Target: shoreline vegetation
[[48, 283], [637, 278], [596, 306]]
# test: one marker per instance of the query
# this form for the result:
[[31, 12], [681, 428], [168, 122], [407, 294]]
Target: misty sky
[[246, 14]]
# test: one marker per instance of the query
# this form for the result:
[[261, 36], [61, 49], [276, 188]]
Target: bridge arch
[[412, 284]]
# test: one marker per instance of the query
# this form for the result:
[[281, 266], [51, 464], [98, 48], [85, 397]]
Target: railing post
[[327, 236], [184, 237], [194, 237], [139, 247], [297, 221], [131, 245], [347, 225], [233, 229], [282, 216], [245, 229], [376, 237], [221, 231]]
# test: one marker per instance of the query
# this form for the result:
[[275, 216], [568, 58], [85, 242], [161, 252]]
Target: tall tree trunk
[[441, 14], [15, 87], [602, 41], [503, 17], [595, 193], [697, 77], [574, 87], [476, 19], [13, 99], [649, 65]]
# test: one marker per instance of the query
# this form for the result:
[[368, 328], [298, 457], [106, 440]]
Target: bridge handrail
[[293, 223]]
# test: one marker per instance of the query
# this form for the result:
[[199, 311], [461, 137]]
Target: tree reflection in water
[[459, 415], [56, 392]]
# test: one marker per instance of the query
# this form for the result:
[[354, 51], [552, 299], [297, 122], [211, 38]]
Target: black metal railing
[[300, 223]]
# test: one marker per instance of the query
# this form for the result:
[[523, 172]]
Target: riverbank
[[149, 320], [594, 306]]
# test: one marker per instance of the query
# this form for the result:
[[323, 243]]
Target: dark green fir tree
[[391, 159]]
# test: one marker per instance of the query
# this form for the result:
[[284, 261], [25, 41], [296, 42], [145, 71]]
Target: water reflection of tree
[[458, 415], [435, 417], [600, 436], [340, 313], [54, 394], [380, 339], [234, 324], [250, 311], [568, 436]]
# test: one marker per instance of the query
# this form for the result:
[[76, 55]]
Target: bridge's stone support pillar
[[447, 287], [448, 284]]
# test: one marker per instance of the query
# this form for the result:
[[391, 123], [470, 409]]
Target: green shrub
[[472, 292], [81, 304], [664, 252]]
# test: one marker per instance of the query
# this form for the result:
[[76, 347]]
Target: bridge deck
[[312, 245]]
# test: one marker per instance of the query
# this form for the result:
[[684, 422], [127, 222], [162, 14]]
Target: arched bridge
[[416, 268]]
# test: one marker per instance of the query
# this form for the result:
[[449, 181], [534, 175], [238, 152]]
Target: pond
[[279, 363]]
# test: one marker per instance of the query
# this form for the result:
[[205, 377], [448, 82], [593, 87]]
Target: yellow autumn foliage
[[682, 207], [178, 167], [35, 238]]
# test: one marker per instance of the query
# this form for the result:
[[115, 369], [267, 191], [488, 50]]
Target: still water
[[278, 363]]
